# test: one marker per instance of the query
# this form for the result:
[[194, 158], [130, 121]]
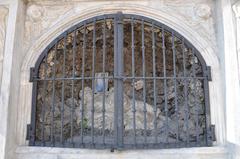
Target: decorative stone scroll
[[3, 21]]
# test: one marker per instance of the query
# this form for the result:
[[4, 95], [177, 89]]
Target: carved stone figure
[[203, 11], [35, 12]]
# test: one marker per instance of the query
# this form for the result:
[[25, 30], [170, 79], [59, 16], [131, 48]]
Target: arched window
[[120, 81]]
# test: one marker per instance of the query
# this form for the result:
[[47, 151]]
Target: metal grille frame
[[118, 83]]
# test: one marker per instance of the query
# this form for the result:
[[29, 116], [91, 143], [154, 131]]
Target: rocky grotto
[[177, 102]]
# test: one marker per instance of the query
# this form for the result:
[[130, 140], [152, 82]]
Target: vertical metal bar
[[34, 106], [154, 82], [165, 83], [53, 98], [63, 89], [195, 96], [93, 80], [208, 133], [120, 81], [103, 67], [175, 85], [133, 80], [207, 108], [44, 100], [72, 89], [118, 64], [115, 82], [83, 69], [144, 83], [185, 92]]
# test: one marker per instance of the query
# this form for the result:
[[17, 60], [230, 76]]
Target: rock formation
[[179, 103]]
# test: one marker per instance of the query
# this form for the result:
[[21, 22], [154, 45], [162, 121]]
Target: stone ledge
[[25, 152]]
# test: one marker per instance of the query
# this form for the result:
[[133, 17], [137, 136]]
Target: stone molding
[[40, 20], [236, 9], [183, 153], [3, 23], [199, 37], [4, 16], [45, 14]]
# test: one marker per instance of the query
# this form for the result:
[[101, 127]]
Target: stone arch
[[75, 16]]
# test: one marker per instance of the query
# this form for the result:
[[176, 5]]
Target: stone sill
[[26, 152]]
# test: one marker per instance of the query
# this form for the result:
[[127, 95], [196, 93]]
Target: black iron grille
[[120, 81]]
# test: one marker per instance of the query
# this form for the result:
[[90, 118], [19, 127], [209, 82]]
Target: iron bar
[[144, 84], [44, 100], [208, 140], [72, 89], [123, 78], [93, 80], [32, 132], [154, 80], [185, 93], [195, 96], [165, 83], [133, 80], [82, 81], [175, 85], [120, 89], [116, 83], [128, 146], [104, 87], [53, 96], [63, 88]]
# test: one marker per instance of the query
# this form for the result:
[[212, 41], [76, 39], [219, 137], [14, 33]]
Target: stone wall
[[189, 19], [45, 20]]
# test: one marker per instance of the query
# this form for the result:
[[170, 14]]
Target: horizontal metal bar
[[126, 146], [121, 78]]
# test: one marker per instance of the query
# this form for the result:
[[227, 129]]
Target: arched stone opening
[[161, 79], [177, 24]]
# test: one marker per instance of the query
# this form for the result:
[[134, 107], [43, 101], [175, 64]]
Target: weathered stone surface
[[3, 23], [25, 111], [109, 115], [60, 153]]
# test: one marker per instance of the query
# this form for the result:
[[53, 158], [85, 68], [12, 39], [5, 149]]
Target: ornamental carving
[[202, 11], [35, 13], [41, 17]]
